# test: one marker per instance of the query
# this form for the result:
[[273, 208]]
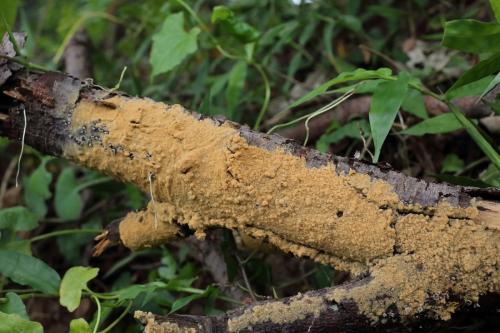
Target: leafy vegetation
[[270, 64]]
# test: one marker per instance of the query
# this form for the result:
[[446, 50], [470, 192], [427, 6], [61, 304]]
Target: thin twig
[[22, 147], [5, 179]]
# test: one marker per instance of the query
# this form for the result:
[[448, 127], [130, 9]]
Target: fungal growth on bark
[[413, 248]]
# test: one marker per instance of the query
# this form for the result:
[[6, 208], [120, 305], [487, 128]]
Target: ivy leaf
[[386, 101], [172, 44], [72, 284], [30, 271], [79, 326], [234, 25], [14, 305], [444, 123], [15, 323], [18, 219], [472, 36]]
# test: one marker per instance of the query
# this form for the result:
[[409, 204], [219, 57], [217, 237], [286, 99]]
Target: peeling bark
[[422, 247]]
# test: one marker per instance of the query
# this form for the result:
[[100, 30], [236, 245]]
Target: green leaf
[[386, 100], [414, 104], [475, 88], [10, 323], [172, 44], [36, 188], [476, 135], [493, 83], [495, 6], [352, 130], [67, 201], [4, 142], [233, 25], [479, 71], [14, 305], [491, 176], [72, 284], [79, 326], [8, 10], [444, 123], [182, 302], [357, 75], [18, 219], [132, 291], [472, 36], [452, 163], [21, 246], [236, 82], [30, 271]]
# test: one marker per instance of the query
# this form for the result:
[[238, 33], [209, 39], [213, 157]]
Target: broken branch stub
[[426, 247]]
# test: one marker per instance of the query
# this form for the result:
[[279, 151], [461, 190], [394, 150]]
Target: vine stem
[[117, 320], [98, 319], [64, 232], [267, 95]]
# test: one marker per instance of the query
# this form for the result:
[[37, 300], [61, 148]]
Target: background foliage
[[268, 63]]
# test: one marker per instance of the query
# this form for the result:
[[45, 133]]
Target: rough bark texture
[[422, 248]]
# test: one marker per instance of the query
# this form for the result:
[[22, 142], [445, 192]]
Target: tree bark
[[417, 247]]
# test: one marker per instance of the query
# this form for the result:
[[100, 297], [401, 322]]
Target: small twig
[[245, 278], [150, 179], [22, 147], [5, 179]]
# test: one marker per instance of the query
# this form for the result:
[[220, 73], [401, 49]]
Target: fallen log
[[416, 247]]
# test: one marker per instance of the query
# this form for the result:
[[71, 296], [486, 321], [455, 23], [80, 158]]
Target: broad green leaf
[[172, 44], [444, 123], [472, 36], [8, 10], [30, 271], [18, 219], [386, 101], [495, 6], [14, 305], [36, 188], [72, 284], [236, 82], [67, 201], [79, 326], [11, 323], [414, 104], [233, 25], [480, 70], [357, 75], [452, 163]]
